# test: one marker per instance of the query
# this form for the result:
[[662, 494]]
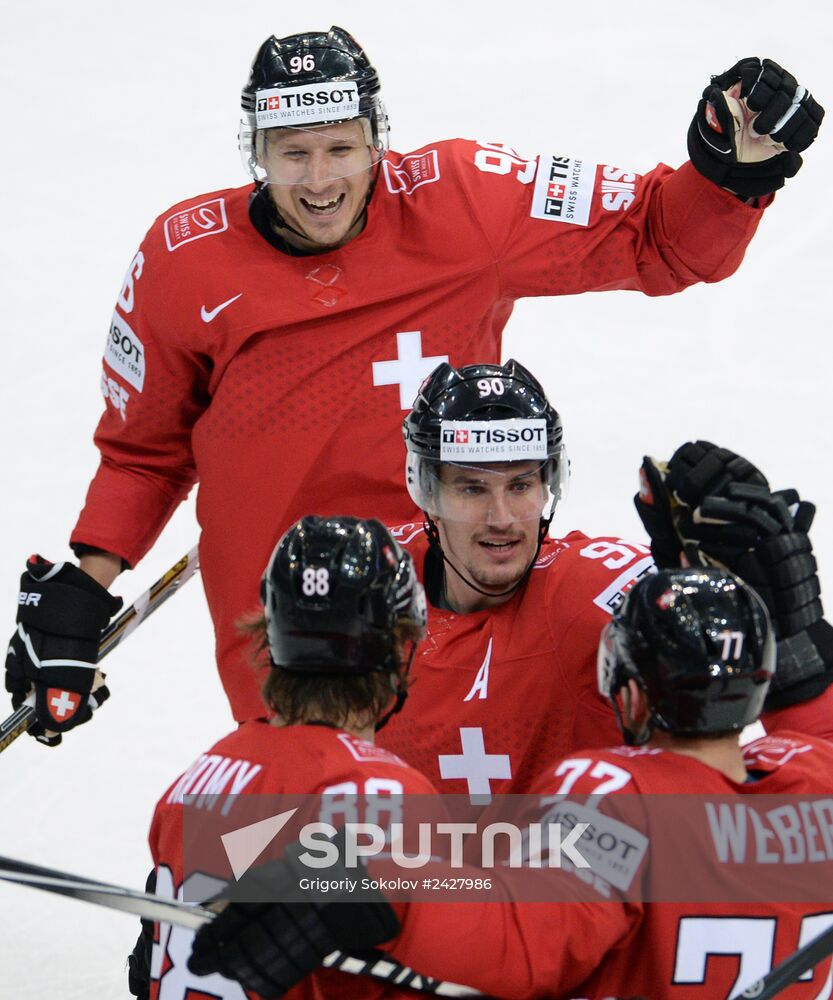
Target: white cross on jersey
[[475, 765], [410, 368], [63, 704]]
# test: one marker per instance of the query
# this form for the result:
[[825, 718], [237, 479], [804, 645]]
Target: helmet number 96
[[315, 581], [490, 387], [298, 63]]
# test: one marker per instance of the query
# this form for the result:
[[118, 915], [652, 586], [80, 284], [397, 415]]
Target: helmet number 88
[[298, 63], [315, 581]]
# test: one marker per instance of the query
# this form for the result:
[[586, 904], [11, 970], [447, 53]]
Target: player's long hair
[[359, 700]]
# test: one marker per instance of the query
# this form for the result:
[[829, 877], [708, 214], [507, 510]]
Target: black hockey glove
[[269, 946], [670, 491], [61, 612], [751, 125], [719, 510]]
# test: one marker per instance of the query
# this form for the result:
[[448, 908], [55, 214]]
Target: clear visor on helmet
[[494, 493], [606, 658], [311, 145]]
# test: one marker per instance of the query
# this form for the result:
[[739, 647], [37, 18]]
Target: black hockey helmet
[[333, 592], [699, 643], [310, 79], [445, 426]]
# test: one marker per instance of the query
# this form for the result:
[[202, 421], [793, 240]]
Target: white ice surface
[[113, 111]]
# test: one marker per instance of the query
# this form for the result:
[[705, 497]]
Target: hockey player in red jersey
[[506, 680], [267, 338], [342, 613], [686, 661]]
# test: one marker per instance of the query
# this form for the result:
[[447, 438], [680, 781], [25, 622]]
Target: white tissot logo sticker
[[563, 189], [613, 595], [322, 102], [125, 353], [613, 849], [492, 440]]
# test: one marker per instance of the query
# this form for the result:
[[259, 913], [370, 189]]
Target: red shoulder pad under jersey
[[793, 763], [814, 717], [559, 224]]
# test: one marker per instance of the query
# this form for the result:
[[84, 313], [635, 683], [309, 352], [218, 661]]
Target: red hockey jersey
[[263, 760], [279, 382], [498, 694], [659, 950]]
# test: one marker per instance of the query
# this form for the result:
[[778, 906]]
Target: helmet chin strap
[[401, 690], [280, 222], [632, 737], [433, 533]]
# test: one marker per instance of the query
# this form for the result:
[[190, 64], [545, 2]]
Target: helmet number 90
[[299, 63], [315, 581], [490, 387]]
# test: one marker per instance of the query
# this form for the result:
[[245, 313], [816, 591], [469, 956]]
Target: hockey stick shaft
[[790, 969], [140, 904], [172, 911], [117, 631]]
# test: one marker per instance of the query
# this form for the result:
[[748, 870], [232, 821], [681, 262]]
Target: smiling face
[[488, 519], [319, 179]]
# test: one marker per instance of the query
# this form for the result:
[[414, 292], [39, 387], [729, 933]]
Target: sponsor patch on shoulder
[[563, 189], [405, 533], [614, 850], [773, 751], [411, 172], [365, 752], [125, 353], [192, 223], [612, 596]]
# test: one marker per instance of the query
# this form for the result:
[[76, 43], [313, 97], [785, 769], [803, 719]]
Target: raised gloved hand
[[715, 508], [61, 613], [268, 946], [751, 125], [671, 491]]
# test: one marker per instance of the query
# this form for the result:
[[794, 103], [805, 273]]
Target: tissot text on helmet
[[495, 439], [282, 106]]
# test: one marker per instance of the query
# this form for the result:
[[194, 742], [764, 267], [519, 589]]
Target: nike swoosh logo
[[208, 316]]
